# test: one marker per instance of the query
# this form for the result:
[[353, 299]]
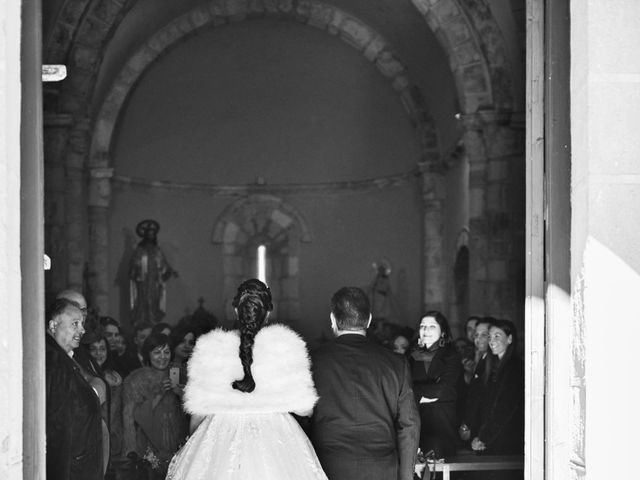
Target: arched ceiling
[[430, 37]]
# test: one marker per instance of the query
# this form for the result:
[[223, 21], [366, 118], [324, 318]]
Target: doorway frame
[[539, 305]]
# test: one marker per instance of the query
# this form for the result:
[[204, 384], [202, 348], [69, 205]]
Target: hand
[[469, 365], [167, 385], [477, 445], [464, 432], [178, 390]]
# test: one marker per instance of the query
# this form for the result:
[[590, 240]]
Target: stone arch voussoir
[[216, 13], [473, 42]]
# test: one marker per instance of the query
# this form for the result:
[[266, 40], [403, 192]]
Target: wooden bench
[[470, 462]]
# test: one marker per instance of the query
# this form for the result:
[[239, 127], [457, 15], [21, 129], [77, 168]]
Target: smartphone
[[174, 376]]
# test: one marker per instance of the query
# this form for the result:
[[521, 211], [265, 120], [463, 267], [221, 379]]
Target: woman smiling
[[436, 368], [153, 420], [502, 429]]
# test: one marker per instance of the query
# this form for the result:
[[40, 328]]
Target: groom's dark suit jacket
[[366, 424]]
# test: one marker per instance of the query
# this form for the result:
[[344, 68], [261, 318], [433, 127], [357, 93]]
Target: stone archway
[[262, 220], [466, 31], [216, 14]]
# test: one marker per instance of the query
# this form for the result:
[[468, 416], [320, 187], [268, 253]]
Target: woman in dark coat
[[436, 369], [502, 422]]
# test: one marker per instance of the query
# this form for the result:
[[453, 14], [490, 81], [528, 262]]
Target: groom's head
[[350, 310]]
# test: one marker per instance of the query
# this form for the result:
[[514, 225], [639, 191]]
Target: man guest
[[366, 424], [73, 417]]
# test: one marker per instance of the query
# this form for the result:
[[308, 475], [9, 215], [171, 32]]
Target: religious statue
[[384, 304], [148, 273]]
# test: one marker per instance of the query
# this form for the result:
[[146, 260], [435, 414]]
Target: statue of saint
[[148, 273], [384, 304]]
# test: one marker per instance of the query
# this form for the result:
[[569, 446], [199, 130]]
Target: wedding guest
[[162, 327], [476, 378], [73, 417], [130, 357], [154, 424], [242, 386], [366, 424], [98, 349], [400, 344], [141, 331], [95, 377], [502, 423], [470, 328], [183, 339], [113, 335], [436, 368]]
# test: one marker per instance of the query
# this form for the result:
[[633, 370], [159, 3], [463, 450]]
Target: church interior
[[484, 152], [339, 136]]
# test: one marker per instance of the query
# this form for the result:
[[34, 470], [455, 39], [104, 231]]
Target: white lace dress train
[[246, 446]]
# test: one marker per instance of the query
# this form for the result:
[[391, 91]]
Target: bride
[[241, 387]]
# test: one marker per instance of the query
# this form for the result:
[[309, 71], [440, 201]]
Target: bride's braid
[[253, 302]]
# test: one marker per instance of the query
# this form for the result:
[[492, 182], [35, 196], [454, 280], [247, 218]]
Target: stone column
[[433, 188], [75, 201], [98, 267], [56, 136], [496, 223]]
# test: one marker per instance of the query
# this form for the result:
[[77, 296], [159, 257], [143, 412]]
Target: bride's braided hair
[[253, 302]]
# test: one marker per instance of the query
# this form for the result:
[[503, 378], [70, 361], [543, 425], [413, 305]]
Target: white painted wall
[[605, 89], [10, 297]]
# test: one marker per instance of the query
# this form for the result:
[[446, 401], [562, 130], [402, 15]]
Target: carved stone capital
[[100, 186]]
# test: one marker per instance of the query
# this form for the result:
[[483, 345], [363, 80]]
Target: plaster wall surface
[[265, 98], [605, 81], [292, 105], [398, 22], [349, 233], [10, 291]]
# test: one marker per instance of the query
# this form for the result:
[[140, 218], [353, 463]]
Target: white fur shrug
[[281, 370]]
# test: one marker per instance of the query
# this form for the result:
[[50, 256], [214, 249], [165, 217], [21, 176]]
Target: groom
[[366, 425]]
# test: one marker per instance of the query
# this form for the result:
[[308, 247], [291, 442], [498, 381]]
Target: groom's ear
[[334, 323]]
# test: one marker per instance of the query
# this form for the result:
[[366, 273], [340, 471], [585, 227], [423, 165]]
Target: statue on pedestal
[[148, 273]]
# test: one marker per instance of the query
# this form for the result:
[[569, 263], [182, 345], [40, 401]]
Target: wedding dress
[[247, 436]]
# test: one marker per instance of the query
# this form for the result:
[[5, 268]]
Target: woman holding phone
[[154, 423]]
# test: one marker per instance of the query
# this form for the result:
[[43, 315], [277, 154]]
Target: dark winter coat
[[502, 429], [73, 419], [439, 419]]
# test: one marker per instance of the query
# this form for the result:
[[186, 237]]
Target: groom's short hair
[[351, 309]]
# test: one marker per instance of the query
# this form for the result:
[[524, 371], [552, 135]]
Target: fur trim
[[281, 369]]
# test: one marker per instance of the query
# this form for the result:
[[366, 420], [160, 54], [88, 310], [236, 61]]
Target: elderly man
[[366, 424], [76, 298], [73, 417]]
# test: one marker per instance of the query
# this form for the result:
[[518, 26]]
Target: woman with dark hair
[[154, 424], [162, 327], [502, 421], [98, 348], [436, 368], [183, 339], [242, 387]]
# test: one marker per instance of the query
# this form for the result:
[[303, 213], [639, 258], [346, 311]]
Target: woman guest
[[154, 424], [502, 428], [183, 339], [436, 369], [242, 386], [99, 351]]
